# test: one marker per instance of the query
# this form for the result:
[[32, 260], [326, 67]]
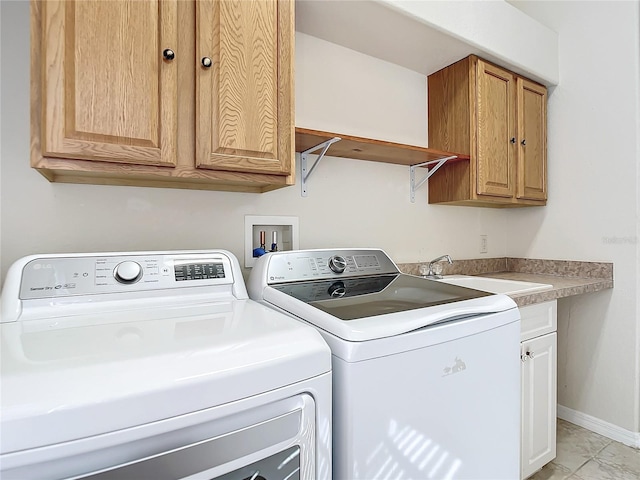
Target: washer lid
[[69, 378], [379, 306], [360, 297]]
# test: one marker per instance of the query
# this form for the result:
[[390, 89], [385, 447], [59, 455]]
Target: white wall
[[593, 209], [350, 202]]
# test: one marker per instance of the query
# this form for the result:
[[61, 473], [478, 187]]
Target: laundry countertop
[[567, 277]]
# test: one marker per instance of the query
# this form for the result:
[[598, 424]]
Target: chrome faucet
[[431, 272]]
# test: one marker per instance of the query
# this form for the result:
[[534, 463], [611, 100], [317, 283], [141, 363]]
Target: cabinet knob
[[168, 54], [523, 142], [513, 140], [206, 62], [527, 356]]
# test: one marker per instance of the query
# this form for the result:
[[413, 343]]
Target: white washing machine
[[426, 375], [156, 365]]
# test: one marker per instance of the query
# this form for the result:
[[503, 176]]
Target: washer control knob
[[128, 272], [337, 264]]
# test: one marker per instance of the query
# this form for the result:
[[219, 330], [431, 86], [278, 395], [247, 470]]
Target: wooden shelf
[[373, 150]]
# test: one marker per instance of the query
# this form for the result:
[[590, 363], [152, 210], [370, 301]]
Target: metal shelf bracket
[[412, 173], [306, 173]]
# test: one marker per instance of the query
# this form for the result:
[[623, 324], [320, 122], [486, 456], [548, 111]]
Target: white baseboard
[[601, 427]]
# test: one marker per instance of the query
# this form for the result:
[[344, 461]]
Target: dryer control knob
[[337, 264], [128, 272]]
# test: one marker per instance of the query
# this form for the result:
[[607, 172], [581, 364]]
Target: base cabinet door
[[539, 391]]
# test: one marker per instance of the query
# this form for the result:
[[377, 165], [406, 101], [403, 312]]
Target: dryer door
[[281, 447], [273, 439]]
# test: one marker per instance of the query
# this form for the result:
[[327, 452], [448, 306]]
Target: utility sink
[[496, 285]]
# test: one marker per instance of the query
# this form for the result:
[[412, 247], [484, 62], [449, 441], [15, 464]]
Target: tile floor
[[584, 455]]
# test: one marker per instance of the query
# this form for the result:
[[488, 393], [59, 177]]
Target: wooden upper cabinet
[[496, 127], [244, 113], [108, 94], [499, 119], [108, 106], [532, 147]]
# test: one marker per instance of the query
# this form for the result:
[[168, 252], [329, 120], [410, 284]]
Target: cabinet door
[[244, 100], [108, 94], [495, 130], [539, 390], [532, 140]]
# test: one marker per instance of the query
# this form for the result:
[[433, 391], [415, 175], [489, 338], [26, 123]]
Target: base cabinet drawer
[[538, 319]]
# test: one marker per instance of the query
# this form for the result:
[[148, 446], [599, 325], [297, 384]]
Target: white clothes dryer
[[156, 365]]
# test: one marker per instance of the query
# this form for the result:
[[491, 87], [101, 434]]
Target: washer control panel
[[303, 265], [59, 276]]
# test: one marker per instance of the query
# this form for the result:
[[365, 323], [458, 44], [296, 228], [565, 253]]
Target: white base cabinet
[[538, 403], [538, 352]]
